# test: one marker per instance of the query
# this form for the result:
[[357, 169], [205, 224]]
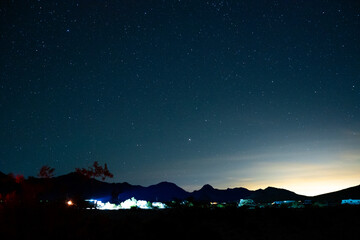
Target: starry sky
[[230, 93]]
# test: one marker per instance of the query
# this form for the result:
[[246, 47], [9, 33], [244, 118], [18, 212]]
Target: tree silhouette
[[46, 172], [95, 171]]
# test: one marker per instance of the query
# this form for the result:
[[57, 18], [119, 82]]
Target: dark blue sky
[[231, 93]]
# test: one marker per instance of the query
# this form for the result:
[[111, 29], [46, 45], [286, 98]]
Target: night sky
[[231, 93]]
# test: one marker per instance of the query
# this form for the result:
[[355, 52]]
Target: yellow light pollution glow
[[306, 174], [328, 167]]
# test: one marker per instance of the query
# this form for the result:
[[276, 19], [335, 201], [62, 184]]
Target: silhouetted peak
[[166, 186], [165, 183], [274, 189], [207, 187]]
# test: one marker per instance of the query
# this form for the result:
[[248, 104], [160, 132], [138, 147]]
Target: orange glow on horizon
[[308, 188]]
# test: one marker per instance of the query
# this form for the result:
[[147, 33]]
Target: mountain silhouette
[[77, 186], [271, 194], [336, 197], [7, 184], [164, 191], [208, 193]]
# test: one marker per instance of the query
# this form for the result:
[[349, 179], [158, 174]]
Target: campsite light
[[69, 203]]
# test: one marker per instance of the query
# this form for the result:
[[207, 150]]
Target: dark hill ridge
[[208, 193], [335, 197], [164, 191], [75, 185], [7, 184], [271, 194], [2, 175], [79, 186]]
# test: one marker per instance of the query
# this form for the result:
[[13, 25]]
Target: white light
[[143, 204], [159, 205], [127, 204], [110, 206]]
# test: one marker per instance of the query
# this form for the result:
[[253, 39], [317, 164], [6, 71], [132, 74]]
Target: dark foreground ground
[[66, 223]]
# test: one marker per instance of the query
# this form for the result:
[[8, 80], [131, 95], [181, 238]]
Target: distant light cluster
[[127, 204]]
